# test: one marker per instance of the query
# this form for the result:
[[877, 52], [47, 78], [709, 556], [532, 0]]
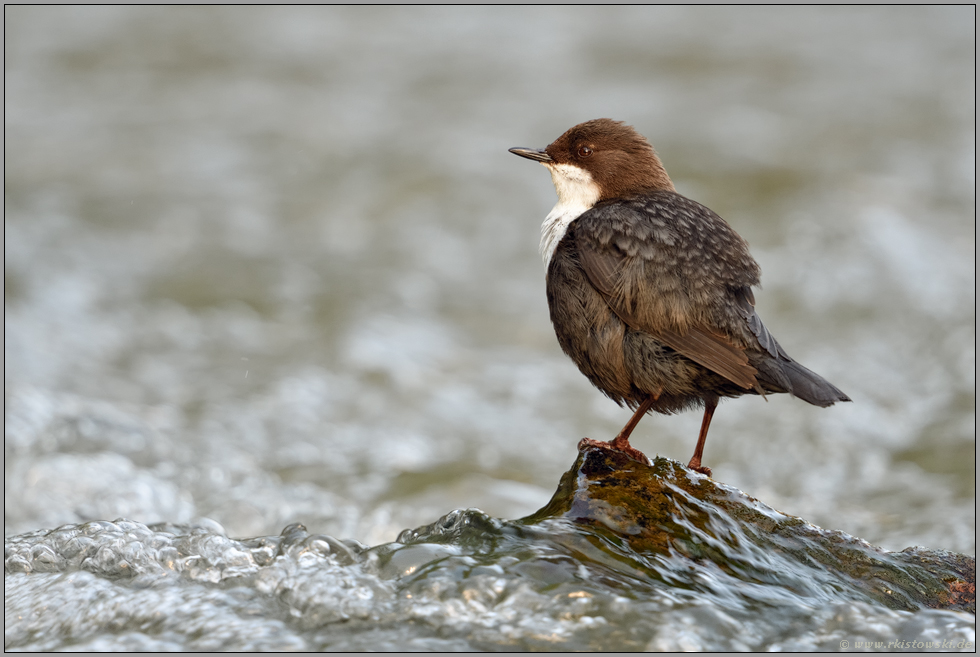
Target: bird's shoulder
[[667, 229]]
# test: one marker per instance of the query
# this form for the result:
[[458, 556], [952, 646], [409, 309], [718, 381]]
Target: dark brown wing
[[746, 304], [669, 267]]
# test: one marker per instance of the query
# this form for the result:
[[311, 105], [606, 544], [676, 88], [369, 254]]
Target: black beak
[[532, 154]]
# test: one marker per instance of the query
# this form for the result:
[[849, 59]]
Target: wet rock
[[666, 511]]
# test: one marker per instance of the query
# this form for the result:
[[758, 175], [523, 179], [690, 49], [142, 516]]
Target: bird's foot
[[697, 467], [612, 445]]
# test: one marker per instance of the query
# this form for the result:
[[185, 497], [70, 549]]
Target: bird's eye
[[584, 151]]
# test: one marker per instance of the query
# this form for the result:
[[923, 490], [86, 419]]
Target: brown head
[[599, 160]]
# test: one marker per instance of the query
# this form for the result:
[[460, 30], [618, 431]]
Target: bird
[[650, 293]]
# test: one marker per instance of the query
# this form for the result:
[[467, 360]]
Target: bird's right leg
[[710, 404]]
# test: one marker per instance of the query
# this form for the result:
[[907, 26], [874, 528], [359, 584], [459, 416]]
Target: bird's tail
[[810, 386]]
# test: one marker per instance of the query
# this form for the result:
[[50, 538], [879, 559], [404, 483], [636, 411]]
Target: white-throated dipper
[[650, 292]]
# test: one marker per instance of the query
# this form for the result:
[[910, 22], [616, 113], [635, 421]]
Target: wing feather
[[615, 254]]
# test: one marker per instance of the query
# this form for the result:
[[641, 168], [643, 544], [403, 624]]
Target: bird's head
[[599, 160]]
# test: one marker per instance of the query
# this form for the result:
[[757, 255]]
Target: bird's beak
[[532, 154]]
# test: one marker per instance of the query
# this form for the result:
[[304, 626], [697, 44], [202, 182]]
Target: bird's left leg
[[621, 443]]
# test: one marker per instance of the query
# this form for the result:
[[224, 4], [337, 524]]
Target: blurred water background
[[273, 265]]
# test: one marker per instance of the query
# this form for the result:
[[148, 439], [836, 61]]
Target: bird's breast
[[588, 331]]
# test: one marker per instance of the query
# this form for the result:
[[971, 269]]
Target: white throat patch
[[577, 193]]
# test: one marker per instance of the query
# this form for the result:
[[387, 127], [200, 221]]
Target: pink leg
[[709, 410], [621, 443]]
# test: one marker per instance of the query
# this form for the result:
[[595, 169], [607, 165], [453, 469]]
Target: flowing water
[[266, 266]]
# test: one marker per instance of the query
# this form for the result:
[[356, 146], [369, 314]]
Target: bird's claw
[[627, 449], [697, 467]]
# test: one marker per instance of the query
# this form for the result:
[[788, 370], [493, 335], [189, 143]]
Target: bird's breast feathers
[[577, 194]]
